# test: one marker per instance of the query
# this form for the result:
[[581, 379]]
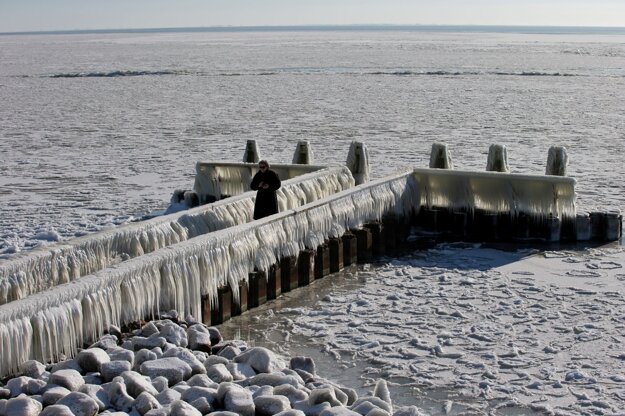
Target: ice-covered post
[[251, 154], [440, 158], [557, 161], [497, 159], [358, 162], [303, 154]]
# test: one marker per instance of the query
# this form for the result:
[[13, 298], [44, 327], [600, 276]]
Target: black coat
[[266, 199]]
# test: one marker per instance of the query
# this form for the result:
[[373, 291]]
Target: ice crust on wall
[[538, 197], [41, 269], [45, 325]]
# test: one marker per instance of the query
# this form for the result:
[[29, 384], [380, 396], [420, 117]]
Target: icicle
[[440, 158], [303, 154], [497, 159]]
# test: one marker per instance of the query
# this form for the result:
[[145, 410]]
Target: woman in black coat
[[266, 182]]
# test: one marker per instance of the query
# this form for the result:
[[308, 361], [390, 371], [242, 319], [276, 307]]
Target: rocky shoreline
[[175, 367]]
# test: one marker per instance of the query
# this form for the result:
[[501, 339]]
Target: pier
[[214, 262]]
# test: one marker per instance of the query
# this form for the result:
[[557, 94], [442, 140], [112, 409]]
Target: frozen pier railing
[[41, 269], [59, 320], [218, 180]]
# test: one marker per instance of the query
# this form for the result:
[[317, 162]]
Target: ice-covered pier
[[213, 261]]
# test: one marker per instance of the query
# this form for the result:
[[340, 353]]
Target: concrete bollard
[[306, 266], [364, 244], [336, 254], [497, 159], [583, 227], [258, 289], [288, 273], [241, 306], [350, 248], [440, 157], [223, 310], [251, 154], [303, 154], [322, 261], [274, 281]]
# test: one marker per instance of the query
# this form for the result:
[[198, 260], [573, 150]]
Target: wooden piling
[[350, 248], [322, 261], [288, 273], [336, 254], [206, 305], [258, 289], [377, 238], [364, 244], [222, 311], [241, 306], [274, 281], [306, 266]]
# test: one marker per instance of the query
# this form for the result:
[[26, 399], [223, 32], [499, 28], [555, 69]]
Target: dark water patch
[[114, 74]]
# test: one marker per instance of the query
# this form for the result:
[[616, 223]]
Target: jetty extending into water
[[213, 261]]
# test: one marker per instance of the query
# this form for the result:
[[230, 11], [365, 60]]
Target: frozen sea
[[98, 129]]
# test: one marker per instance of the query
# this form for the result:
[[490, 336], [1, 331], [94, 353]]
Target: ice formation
[[303, 154], [251, 155], [513, 194], [497, 159], [55, 322], [41, 269], [440, 158], [358, 162], [557, 161], [216, 180]]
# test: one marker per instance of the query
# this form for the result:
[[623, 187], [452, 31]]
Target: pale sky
[[44, 15]]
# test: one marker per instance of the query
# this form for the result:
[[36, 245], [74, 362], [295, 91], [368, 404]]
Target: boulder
[[168, 396], [172, 368], [57, 410], [113, 369], [32, 368], [239, 401], [68, 378], [155, 340], [174, 334], [80, 404], [146, 402], [199, 339], [54, 394], [98, 394], [22, 406], [160, 383], [194, 393], [201, 380], [119, 354], [270, 405], [137, 384], [118, 396], [18, 385], [142, 356], [260, 359], [219, 373], [188, 357], [180, 408]]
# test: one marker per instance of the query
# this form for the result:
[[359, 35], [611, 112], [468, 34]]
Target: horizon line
[[534, 29]]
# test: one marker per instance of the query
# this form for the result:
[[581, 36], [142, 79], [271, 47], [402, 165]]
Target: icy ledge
[[49, 324], [41, 269], [175, 367]]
